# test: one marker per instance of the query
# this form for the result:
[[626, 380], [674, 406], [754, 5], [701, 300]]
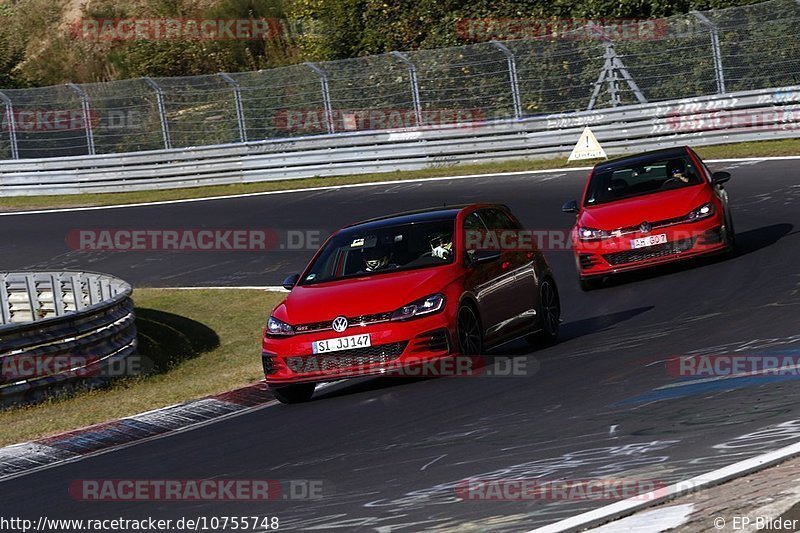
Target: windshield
[[622, 182], [364, 252]]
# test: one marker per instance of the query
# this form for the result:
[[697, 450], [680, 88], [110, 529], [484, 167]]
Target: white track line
[[627, 507], [288, 191], [353, 185]]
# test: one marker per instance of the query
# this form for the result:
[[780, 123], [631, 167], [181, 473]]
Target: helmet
[[375, 258], [441, 244], [676, 169]]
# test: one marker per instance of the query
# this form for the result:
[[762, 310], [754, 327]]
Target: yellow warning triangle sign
[[587, 147]]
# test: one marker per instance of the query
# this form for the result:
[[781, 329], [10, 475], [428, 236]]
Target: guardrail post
[[33, 296], [237, 94], [326, 95], [162, 111], [5, 305], [58, 300], [715, 49], [12, 124], [512, 76], [87, 116], [412, 76]]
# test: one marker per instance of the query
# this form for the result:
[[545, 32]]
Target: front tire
[[549, 313], [730, 235], [470, 336], [294, 393]]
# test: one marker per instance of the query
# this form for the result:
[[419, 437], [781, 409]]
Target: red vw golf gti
[[406, 290], [649, 209]]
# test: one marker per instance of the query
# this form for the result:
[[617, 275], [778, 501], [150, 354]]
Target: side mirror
[[570, 207], [718, 178], [475, 257], [291, 281]]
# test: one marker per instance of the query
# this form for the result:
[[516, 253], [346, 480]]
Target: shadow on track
[[747, 242], [517, 348]]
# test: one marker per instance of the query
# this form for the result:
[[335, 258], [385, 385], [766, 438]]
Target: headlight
[[424, 306], [277, 327], [591, 234], [704, 211]]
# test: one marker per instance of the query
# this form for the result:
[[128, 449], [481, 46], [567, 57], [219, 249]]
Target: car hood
[[366, 295], [651, 207]]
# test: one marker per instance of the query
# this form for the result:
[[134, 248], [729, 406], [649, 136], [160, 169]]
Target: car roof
[[419, 215], [644, 157]]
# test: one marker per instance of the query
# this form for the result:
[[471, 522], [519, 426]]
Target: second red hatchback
[[404, 290]]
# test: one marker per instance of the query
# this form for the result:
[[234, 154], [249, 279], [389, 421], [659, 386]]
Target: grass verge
[[200, 342], [750, 149]]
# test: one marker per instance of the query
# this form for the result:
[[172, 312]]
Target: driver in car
[[676, 172], [441, 245], [375, 258]]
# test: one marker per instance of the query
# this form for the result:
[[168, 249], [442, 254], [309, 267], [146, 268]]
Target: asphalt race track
[[390, 453]]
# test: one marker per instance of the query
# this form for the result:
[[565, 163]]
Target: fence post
[[162, 111], [715, 49], [326, 95], [12, 125], [512, 76], [412, 76], [87, 122], [237, 94]]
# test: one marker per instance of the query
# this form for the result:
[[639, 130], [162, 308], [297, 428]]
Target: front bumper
[[616, 255], [394, 345]]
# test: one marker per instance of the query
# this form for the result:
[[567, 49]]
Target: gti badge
[[645, 227], [339, 324]]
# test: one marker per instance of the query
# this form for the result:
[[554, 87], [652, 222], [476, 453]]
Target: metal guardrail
[[514, 69], [743, 116], [57, 328]]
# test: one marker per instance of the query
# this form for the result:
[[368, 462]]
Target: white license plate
[[341, 343], [652, 240]]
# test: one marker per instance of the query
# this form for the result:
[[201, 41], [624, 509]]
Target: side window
[[474, 232], [498, 220], [474, 222]]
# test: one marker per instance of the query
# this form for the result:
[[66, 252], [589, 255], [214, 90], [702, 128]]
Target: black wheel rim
[[469, 335], [550, 308]]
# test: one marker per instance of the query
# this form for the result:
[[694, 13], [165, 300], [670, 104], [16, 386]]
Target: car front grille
[[652, 252], [352, 321], [381, 353], [653, 225]]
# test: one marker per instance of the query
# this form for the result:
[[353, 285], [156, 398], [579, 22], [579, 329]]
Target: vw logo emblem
[[339, 324], [645, 227]]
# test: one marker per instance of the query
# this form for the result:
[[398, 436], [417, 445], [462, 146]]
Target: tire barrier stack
[[62, 329]]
